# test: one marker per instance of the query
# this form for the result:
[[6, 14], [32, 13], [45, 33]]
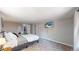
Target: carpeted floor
[[46, 45]]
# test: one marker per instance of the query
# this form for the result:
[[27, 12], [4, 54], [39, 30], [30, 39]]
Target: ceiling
[[36, 14]]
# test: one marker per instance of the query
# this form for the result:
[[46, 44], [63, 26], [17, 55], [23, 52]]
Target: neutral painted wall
[[0, 24], [62, 32], [11, 26], [0, 28], [15, 27], [76, 31]]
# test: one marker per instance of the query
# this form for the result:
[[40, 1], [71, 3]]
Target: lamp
[[2, 42]]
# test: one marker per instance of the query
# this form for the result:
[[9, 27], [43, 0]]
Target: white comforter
[[30, 37], [13, 41]]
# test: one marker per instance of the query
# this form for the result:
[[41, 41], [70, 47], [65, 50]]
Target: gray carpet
[[46, 45]]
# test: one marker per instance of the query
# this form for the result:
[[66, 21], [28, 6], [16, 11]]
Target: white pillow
[[10, 37]]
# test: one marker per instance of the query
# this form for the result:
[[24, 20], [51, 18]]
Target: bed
[[20, 42]]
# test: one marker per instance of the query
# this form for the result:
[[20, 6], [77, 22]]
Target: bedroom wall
[[62, 32], [15, 27], [0, 27], [0, 24], [76, 31], [11, 26]]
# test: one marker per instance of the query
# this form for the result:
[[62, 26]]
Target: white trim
[[60, 42]]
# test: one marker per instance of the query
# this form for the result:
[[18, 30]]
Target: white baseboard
[[60, 42]]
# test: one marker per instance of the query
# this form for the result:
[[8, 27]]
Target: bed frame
[[25, 45]]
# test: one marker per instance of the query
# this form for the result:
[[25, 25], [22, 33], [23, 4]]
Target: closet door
[[33, 28], [28, 28]]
